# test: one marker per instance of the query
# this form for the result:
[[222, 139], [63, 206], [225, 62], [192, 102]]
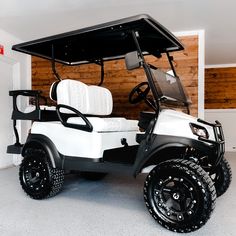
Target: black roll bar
[[146, 69]]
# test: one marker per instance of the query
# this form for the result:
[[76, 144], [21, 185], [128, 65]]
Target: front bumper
[[219, 143]]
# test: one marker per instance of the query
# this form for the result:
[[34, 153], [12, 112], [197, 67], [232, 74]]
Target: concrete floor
[[110, 207]]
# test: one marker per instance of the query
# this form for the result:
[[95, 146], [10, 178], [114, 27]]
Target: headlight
[[199, 130]]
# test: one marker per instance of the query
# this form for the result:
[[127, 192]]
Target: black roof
[[104, 41]]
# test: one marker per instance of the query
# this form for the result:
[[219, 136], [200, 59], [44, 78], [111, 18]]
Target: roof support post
[[147, 71], [102, 72], [54, 66], [170, 59]]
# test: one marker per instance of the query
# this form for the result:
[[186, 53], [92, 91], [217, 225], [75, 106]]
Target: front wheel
[[180, 195], [37, 177]]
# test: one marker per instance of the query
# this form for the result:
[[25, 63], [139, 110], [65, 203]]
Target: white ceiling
[[29, 19]]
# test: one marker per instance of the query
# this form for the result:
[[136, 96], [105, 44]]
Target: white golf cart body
[[107, 133], [81, 133]]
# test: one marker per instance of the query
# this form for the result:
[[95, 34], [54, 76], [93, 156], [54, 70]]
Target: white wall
[[24, 61], [21, 79], [228, 118]]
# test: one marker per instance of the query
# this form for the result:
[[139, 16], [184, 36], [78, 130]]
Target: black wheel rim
[[35, 176], [175, 198]]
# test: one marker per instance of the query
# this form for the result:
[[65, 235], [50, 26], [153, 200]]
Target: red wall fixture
[[1, 49]]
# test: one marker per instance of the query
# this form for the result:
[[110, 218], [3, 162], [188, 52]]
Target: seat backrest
[[100, 101], [53, 91], [89, 100]]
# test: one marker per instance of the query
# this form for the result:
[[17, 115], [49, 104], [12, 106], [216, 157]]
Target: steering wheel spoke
[[139, 93]]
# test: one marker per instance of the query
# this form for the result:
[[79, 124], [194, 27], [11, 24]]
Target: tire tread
[[207, 184], [55, 175]]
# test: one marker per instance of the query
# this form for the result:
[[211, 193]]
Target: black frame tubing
[[147, 70]]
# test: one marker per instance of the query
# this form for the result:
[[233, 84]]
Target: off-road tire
[[37, 177], [93, 176], [222, 177], [179, 195]]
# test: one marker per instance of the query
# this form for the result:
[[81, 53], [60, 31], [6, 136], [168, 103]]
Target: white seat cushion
[[100, 101], [107, 124], [89, 100], [74, 94]]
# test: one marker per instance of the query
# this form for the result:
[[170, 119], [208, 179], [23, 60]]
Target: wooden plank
[[220, 88]]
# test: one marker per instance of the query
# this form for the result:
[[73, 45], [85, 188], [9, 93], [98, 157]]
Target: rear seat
[[95, 101]]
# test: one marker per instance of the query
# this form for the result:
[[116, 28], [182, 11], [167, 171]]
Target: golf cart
[[183, 155]]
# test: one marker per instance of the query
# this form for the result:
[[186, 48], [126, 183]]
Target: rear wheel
[[37, 177], [180, 195], [222, 177]]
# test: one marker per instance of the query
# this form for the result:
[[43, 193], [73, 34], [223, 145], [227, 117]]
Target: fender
[[41, 141], [152, 149]]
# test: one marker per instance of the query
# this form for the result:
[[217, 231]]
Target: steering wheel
[[139, 93]]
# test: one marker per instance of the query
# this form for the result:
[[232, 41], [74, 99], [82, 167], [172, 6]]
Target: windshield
[[169, 87]]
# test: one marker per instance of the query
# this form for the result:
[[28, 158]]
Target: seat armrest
[[86, 127]]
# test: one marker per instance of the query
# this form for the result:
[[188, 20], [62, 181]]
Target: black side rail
[[87, 127], [17, 114]]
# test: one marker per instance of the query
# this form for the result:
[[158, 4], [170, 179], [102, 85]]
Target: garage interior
[[113, 205]]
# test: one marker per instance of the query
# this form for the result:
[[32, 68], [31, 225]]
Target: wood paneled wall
[[220, 88], [120, 81]]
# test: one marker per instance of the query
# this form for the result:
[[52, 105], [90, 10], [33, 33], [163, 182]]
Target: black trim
[[95, 165], [123, 155], [87, 127], [150, 149], [36, 141]]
